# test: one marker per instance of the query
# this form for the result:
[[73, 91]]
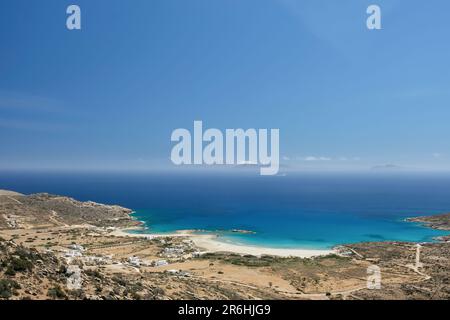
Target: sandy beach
[[211, 243]]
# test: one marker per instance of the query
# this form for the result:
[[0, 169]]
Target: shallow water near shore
[[314, 211]]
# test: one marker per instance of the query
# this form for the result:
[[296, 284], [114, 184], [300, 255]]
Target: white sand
[[210, 243]]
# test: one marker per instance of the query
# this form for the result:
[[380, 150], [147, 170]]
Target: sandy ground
[[210, 243]]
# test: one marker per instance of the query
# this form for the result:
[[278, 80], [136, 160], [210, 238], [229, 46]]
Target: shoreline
[[115, 251], [209, 243]]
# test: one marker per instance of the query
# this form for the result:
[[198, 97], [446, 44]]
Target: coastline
[[117, 252], [209, 243]]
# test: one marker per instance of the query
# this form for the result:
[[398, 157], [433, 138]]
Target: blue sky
[[110, 95]]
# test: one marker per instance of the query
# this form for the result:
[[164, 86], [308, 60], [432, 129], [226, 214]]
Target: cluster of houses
[[171, 252], [185, 249], [77, 252], [74, 251], [137, 262]]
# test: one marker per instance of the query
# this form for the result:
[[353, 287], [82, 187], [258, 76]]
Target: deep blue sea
[[297, 210]]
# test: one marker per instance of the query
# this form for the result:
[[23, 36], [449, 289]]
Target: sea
[[301, 210]]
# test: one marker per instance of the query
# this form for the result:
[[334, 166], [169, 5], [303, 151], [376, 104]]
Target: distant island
[[55, 247], [439, 222]]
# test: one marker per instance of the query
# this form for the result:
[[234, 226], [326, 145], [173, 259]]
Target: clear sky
[[109, 96]]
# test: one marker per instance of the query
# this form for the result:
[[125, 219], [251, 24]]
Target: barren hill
[[45, 210]]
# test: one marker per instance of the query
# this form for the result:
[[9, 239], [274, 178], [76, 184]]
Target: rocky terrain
[[54, 247], [433, 281], [440, 222], [42, 210], [31, 274]]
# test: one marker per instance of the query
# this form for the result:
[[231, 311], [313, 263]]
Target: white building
[[161, 263], [135, 261]]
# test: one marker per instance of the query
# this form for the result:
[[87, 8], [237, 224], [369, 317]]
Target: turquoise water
[[307, 211], [297, 230]]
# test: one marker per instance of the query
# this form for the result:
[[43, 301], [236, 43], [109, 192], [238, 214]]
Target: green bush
[[120, 281], [20, 264], [7, 288], [10, 271], [56, 293], [94, 274], [136, 296]]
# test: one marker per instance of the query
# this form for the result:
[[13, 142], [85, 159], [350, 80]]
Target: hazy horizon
[[108, 96]]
